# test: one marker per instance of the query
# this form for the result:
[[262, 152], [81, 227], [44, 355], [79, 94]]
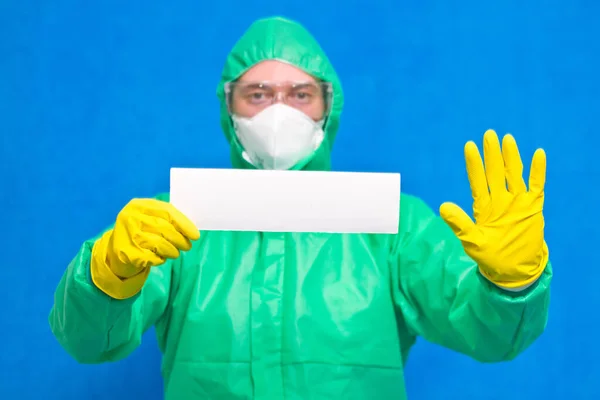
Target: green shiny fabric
[[297, 316]]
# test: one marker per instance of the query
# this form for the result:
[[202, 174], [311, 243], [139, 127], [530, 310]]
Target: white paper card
[[287, 201]]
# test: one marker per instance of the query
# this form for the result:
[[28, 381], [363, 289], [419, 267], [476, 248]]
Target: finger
[[165, 229], [513, 166], [537, 174], [476, 172], [141, 258], [157, 245], [458, 220], [171, 214], [182, 223], [494, 163]]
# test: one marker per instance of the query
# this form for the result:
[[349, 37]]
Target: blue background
[[99, 99]]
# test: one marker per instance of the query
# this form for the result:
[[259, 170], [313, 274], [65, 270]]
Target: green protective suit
[[253, 315]]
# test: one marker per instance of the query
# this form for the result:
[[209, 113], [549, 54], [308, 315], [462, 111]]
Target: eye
[[302, 96], [258, 96]]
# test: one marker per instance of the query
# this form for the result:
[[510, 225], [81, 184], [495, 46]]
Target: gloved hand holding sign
[[146, 233]]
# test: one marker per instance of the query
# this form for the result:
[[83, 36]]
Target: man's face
[[273, 81]]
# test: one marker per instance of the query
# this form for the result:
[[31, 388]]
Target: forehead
[[275, 71]]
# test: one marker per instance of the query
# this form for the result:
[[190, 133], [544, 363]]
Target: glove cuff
[[106, 279], [524, 283]]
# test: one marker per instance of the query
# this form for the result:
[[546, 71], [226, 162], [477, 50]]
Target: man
[[243, 315]]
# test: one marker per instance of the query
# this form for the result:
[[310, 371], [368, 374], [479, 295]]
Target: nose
[[279, 97]]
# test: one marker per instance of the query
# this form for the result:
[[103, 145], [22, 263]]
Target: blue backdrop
[[99, 99]]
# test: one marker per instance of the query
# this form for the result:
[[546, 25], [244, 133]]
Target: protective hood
[[281, 39]]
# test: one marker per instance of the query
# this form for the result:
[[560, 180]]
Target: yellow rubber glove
[[145, 234], [507, 238]]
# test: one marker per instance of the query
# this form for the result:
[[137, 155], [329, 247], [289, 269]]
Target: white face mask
[[278, 137]]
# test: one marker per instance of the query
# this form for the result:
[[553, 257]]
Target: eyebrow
[[260, 83], [302, 85], [252, 85]]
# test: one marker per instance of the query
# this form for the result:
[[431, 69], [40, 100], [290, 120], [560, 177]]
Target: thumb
[[458, 220]]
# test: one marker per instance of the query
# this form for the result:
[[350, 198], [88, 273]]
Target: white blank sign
[[287, 201]]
